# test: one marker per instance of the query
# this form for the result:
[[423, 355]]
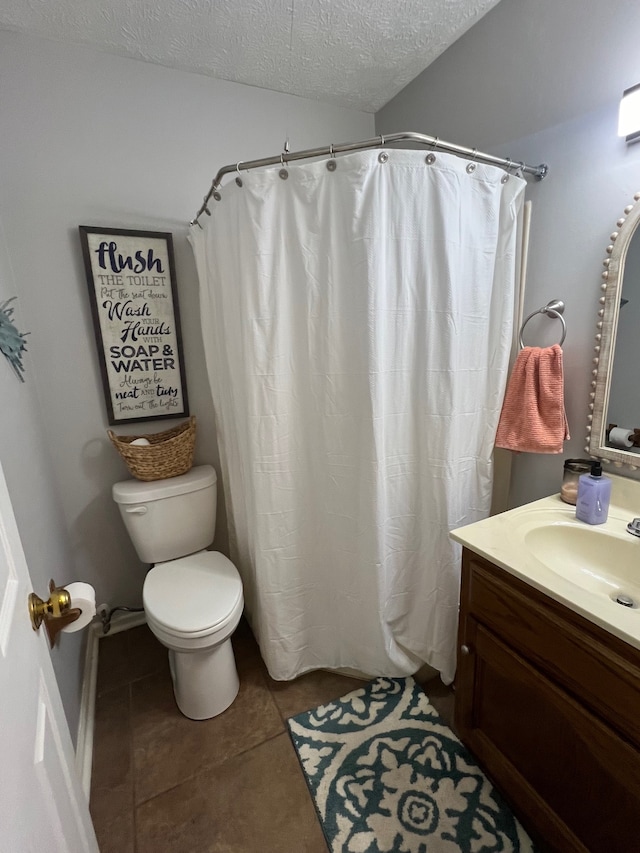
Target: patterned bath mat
[[387, 776]]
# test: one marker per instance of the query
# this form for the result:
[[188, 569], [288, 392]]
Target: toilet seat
[[193, 596]]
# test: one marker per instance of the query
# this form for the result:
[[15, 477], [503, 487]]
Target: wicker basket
[[168, 453]]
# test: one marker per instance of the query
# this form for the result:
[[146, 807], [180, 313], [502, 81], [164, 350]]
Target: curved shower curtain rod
[[377, 142]]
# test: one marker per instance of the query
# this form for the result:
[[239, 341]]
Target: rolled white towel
[[141, 442]]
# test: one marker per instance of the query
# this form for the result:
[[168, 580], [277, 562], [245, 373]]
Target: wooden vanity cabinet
[[549, 703]]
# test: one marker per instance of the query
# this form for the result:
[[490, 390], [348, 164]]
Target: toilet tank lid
[[137, 491]]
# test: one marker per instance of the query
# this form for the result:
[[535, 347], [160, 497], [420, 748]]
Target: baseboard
[[124, 621], [84, 743], [425, 673], [349, 673]]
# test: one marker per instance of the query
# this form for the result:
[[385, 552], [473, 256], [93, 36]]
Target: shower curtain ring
[[381, 139], [238, 178], [471, 167], [331, 163]]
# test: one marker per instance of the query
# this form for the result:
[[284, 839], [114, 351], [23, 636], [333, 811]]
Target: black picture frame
[[136, 318]]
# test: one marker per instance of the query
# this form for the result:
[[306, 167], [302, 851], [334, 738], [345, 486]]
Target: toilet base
[[204, 683]]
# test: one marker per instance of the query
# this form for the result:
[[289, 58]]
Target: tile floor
[[164, 784]]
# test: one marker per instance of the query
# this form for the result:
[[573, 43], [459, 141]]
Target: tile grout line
[[280, 712], [134, 821], [291, 746], [266, 679], [130, 744], [130, 748], [201, 770], [208, 767], [129, 681]]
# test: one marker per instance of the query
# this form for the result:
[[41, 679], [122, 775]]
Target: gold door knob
[[56, 612]]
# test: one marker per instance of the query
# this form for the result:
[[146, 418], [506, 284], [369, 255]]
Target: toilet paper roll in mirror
[[83, 596], [619, 437]]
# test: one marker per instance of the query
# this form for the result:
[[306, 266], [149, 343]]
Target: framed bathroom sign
[[134, 304]]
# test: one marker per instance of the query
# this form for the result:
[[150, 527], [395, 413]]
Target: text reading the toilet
[[134, 302]]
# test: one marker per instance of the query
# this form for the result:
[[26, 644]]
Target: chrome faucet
[[634, 527]]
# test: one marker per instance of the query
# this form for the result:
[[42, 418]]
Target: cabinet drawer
[[593, 666]]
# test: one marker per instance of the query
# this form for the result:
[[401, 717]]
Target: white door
[[42, 806]]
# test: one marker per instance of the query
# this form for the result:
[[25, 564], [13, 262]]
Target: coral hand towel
[[533, 419]]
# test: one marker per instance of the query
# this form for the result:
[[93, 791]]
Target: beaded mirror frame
[[605, 342]]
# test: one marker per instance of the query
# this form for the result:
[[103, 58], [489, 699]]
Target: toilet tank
[[169, 518]]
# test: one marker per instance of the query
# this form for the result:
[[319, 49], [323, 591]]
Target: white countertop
[[501, 539]]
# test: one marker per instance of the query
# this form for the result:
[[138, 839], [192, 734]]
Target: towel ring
[[553, 309]]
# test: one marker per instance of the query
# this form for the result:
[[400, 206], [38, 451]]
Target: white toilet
[[192, 597]]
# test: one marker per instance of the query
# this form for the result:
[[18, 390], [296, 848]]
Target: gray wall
[[92, 139], [541, 82], [98, 140]]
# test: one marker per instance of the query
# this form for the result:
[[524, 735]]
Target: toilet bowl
[[193, 605], [192, 597]]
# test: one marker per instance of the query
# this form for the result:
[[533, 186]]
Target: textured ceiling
[[357, 53]]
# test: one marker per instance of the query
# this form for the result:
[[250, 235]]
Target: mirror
[[614, 428]]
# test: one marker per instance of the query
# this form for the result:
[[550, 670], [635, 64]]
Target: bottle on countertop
[[573, 469], [594, 495]]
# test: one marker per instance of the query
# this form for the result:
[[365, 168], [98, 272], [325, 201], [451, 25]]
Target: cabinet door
[[600, 670], [566, 773]]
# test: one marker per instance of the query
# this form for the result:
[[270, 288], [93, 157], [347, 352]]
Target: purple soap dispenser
[[594, 495]]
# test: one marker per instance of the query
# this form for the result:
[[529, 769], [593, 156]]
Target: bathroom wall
[[541, 82], [35, 494], [92, 139]]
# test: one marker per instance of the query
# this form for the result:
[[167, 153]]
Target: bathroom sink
[[588, 568], [595, 558]]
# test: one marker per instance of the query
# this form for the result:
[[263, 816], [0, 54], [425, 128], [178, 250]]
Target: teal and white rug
[[387, 776]]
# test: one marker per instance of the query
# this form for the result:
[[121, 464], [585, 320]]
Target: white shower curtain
[[357, 326]]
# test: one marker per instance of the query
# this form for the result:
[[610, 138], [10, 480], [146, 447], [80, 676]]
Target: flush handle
[[136, 510]]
